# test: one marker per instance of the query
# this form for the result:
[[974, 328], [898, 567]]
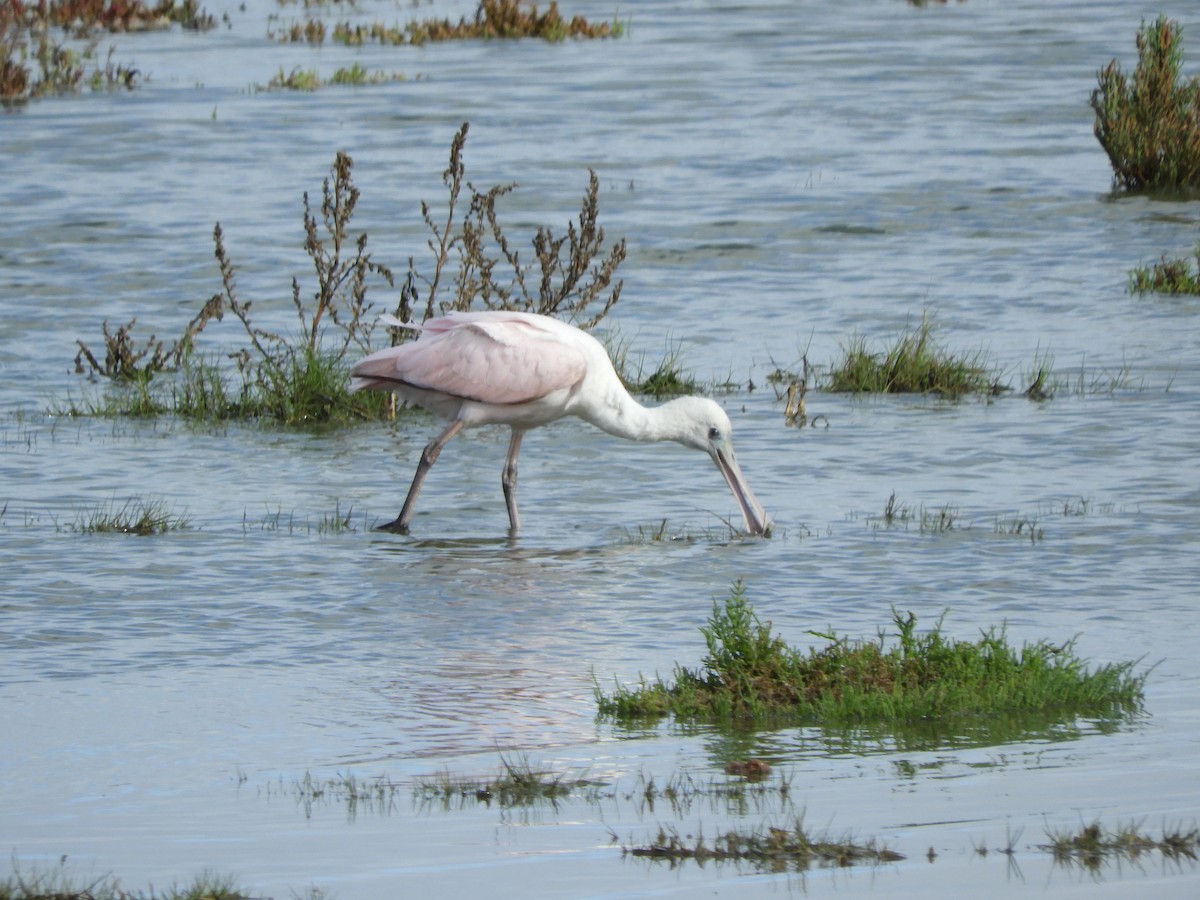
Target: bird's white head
[[701, 424]]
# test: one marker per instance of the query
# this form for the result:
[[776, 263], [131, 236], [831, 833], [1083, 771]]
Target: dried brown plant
[[568, 274]]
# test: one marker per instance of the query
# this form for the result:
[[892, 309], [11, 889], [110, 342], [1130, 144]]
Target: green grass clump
[[749, 673], [135, 516], [1167, 276], [915, 363], [304, 388], [296, 80], [357, 76], [1149, 125], [667, 379]]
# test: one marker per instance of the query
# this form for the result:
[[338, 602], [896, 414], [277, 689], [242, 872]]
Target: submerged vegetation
[[299, 79], [1092, 847], [897, 513], [751, 674], [304, 378], [769, 848], [493, 20], [518, 784], [768, 832], [376, 795], [1149, 124], [33, 63]]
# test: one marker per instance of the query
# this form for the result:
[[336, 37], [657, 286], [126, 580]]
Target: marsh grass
[[129, 15], [58, 884], [682, 793], [338, 521], [302, 378], [1167, 276], [913, 363], [1039, 377], [1045, 381], [34, 64], [916, 362], [1021, 526], [667, 378], [298, 79], [1149, 123], [137, 515], [664, 532], [357, 76], [1091, 847], [372, 795], [270, 520], [750, 674], [519, 783], [767, 848], [493, 20], [898, 514], [301, 79]]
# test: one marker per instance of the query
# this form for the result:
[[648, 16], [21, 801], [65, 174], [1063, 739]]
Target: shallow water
[[787, 176]]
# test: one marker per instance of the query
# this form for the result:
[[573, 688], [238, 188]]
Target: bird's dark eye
[[713, 433]]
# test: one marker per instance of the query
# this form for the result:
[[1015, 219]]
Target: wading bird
[[524, 370]]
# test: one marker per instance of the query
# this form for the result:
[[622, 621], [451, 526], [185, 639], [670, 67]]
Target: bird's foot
[[395, 527]]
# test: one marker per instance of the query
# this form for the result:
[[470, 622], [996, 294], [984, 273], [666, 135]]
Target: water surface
[[788, 176]]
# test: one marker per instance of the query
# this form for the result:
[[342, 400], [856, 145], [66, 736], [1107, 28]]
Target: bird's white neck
[[623, 417]]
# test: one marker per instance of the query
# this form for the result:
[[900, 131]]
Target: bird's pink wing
[[502, 362]]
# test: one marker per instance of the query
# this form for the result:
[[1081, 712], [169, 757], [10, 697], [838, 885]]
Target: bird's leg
[[428, 457], [509, 480]]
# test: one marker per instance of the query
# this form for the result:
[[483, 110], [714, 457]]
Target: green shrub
[[1150, 125]]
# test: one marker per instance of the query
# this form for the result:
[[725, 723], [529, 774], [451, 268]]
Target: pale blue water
[[788, 176]]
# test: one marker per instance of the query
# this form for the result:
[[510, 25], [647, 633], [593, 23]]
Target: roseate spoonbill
[[524, 370]]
